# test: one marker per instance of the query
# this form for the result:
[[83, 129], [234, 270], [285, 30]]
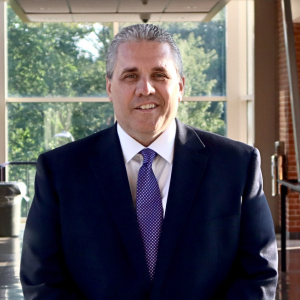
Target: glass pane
[[203, 51], [206, 115], [56, 59], [34, 128]]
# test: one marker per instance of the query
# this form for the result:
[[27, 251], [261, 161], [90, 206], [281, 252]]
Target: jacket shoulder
[[213, 140]]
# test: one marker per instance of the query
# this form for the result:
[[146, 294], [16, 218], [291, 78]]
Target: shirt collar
[[163, 145]]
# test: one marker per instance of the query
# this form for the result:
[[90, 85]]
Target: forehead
[[144, 54]]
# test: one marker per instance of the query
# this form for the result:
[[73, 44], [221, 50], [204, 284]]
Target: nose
[[144, 87]]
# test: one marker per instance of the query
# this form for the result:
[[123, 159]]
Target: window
[[34, 127], [53, 59], [55, 80], [61, 61]]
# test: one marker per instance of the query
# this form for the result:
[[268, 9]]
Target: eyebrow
[[135, 69], [160, 69], [128, 70]]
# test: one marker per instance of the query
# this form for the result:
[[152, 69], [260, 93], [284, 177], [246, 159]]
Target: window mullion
[[3, 78]]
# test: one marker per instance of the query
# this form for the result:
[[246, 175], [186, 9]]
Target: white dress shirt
[[162, 164]]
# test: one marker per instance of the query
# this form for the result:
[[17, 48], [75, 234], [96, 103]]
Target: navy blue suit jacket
[[82, 239]]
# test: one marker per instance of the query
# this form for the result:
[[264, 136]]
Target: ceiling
[[116, 10]]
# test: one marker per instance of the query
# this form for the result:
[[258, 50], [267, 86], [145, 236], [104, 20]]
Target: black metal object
[[3, 167], [283, 228], [285, 184]]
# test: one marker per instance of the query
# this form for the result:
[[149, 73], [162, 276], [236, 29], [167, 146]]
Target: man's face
[[145, 89]]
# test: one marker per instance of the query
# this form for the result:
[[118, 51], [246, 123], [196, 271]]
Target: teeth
[[147, 106]]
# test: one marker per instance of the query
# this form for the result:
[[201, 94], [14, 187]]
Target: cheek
[[119, 107], [174, 91], [124, 94]]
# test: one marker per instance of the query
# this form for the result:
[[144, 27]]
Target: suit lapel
[[188, 167], [109, 168]]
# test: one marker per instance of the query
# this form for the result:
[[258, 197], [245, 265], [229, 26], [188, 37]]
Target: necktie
[[149, 209]]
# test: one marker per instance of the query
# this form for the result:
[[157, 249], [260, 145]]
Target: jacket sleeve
[[43, 272], [255, 270]]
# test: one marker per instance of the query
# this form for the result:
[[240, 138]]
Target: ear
[[108, 89], [181, 87]]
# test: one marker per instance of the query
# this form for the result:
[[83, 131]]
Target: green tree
[[44, 60], [196, 62], [208, 116], [213, 38], [205, 115]]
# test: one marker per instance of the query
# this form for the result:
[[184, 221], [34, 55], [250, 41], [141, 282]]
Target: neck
[[146, 140]]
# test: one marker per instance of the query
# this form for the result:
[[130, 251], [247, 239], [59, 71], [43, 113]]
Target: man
[[149, 208]]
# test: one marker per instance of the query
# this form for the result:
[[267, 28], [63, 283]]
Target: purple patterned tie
[[149, 209]]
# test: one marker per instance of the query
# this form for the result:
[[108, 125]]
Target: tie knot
[[148, 155]]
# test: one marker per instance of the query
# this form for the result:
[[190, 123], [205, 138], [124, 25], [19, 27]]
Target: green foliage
[[45, 60], [32, 126], [196, 62], [89, 118], [213, 38], [204, 115]]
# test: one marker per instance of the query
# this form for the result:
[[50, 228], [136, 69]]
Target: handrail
[[18, 163], [3, 166], [290, 184]]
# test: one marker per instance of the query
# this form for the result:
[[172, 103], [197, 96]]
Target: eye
[[131, 76], [159, 76]]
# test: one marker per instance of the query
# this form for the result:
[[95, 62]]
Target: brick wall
[[286, 126]]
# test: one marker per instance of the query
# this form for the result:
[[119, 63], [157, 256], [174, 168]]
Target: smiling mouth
[[147, 106]]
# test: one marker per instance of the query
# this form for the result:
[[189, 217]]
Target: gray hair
[[139, 33]]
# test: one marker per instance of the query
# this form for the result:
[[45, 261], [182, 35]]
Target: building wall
[[286, 126]]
